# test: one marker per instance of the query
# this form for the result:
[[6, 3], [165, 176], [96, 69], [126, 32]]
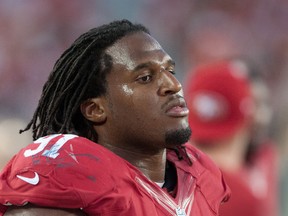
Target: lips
[[176, 108]]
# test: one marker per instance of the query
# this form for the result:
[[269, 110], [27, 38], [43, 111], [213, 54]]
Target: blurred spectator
[[229, 114]]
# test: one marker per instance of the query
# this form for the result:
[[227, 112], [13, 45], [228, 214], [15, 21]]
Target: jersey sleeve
[[62, 171]]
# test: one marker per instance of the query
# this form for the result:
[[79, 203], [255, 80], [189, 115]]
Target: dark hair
[[79, 74]]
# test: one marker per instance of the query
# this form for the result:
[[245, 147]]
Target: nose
[[169, 84]]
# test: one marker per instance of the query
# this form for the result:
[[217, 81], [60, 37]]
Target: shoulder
[[61, 151], [65, 157], [59, 170]]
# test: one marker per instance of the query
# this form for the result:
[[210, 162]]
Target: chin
[[178, 137]]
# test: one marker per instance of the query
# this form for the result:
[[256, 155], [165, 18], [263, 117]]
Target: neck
[[152, 165]]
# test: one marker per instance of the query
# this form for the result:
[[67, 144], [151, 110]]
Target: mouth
[[176, 108]]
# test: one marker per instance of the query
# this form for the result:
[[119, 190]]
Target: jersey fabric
[[68, 171]]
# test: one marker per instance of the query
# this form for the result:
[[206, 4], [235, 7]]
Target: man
[[116, 87]]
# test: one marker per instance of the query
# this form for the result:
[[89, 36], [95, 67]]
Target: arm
[[30, 210]]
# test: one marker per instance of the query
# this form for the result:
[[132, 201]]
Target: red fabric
[[3, 209], [254, 189], [77, 173], [219, 98]]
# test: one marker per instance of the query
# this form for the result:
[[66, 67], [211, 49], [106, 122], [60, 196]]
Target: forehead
[[136, 48]]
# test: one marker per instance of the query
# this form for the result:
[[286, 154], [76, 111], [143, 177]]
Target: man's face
[[144, 104]]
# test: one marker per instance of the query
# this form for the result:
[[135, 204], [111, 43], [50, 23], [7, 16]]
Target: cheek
[[147, 110], [137, 103], [127, 90], [122, 100]]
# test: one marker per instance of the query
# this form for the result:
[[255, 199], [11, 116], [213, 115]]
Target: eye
[[172, 72], [145, 79]]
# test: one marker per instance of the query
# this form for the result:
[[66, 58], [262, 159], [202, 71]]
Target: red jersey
[[68, 171]]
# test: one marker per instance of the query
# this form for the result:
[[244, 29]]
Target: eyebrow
[[147, 64]]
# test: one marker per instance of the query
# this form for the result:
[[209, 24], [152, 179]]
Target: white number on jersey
[[43, 142]]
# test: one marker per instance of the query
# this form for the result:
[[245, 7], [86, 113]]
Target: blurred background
[[33, 34]]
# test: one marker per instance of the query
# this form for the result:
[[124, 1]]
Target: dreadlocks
[[79, 74]]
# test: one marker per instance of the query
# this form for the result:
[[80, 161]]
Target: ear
[[93, 110]]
